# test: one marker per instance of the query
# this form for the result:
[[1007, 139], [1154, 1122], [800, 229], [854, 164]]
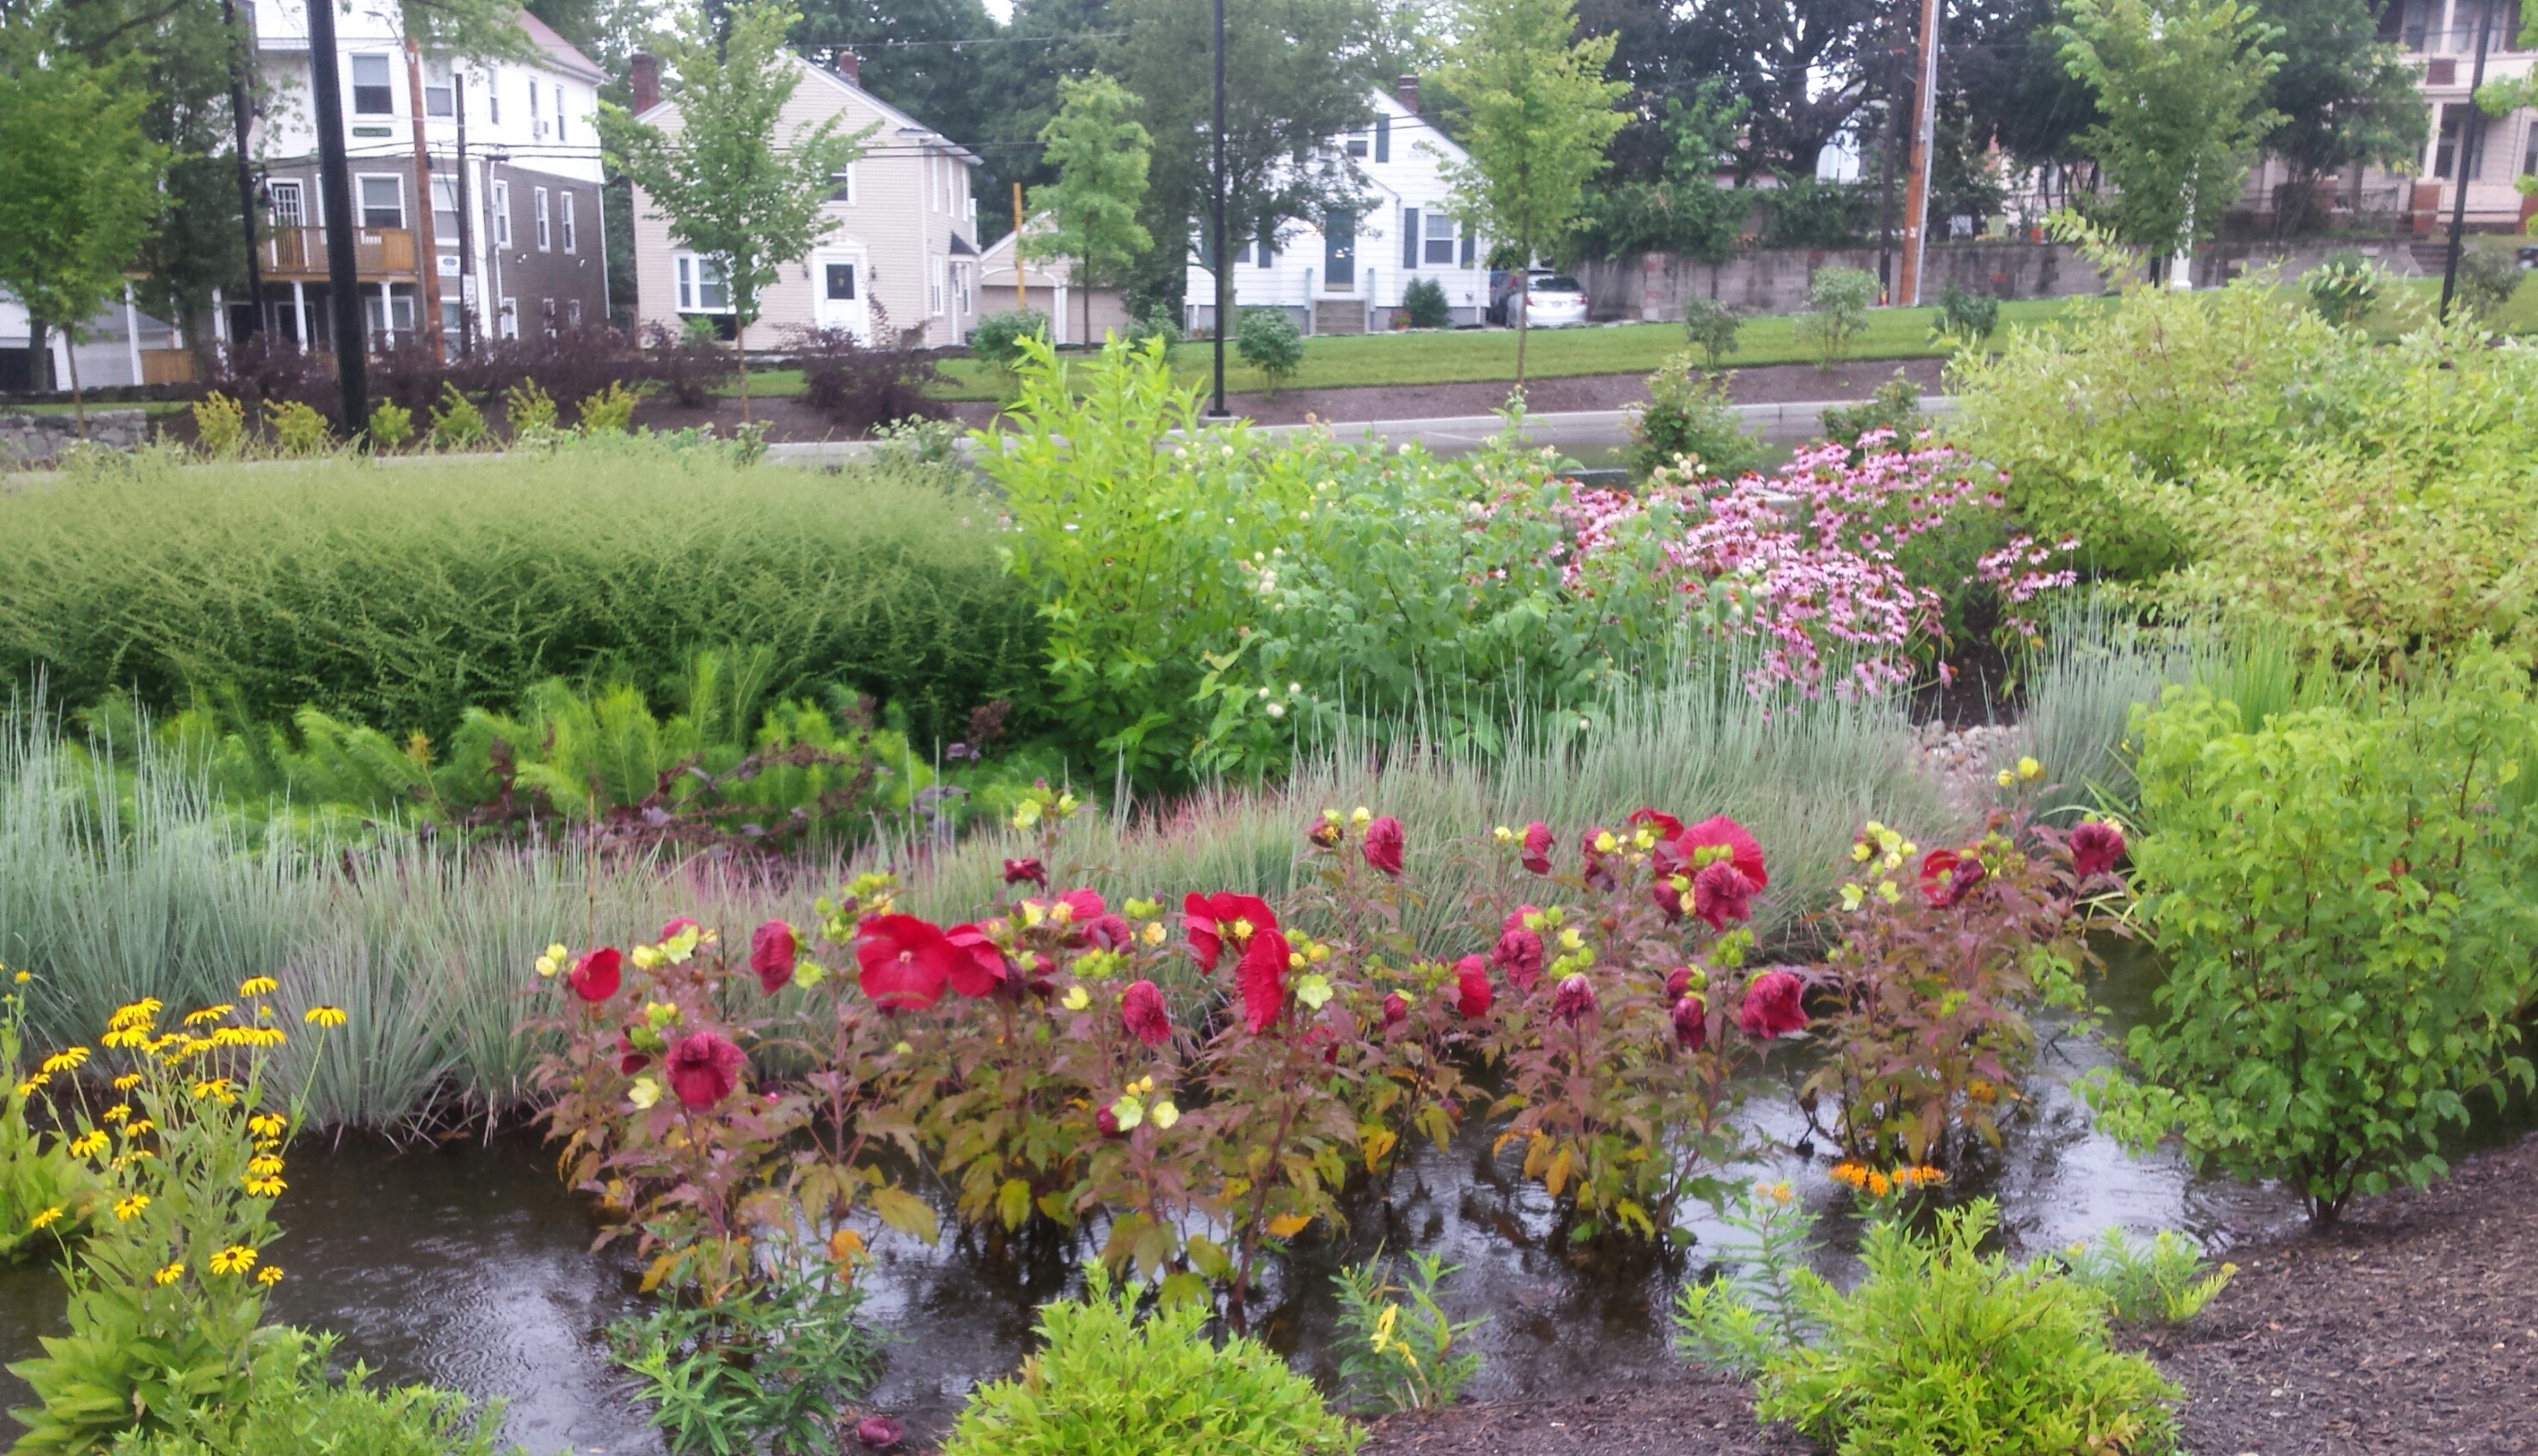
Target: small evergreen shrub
[[297, 428], [1155, 321], [1711, 327], [1110, 1384], [610, 410], [456, 423], [1424, 305], [1268, 341], [220, 425], [2487, 277], [1968, 316], [998, 338], [1837, 313], [391, 425], [530, 410], [1690, 414]]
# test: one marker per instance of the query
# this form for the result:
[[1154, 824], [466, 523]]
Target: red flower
[[1085, 906], [671, 930], [1537, 849], [703, 1068], [880, 1432], [1575, 998], [1678, 981], [1472, 986], [772, 949], [978, 967], [1107, 1122], [1691, 1023], [1599, 869], [1108, 932], [906, 961], [1383, 845], [1775, 1006], [1744, 853], [1262, 980], [1027, 872], [1667, 826], [1519, 952], [628, 1060], [1143, 1012], [2095, 848], [1666, 897], [1948, 877], [1395, 1008], [596, 977], [1324, 835], [1209, 919], [1721, 892]]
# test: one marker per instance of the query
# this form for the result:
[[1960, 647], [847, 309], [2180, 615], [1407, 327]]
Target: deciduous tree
[[1101, 155]]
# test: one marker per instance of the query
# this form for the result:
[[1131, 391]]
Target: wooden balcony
[[299, 254]]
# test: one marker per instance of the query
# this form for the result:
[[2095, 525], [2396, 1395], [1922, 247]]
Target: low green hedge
[[400, 596]]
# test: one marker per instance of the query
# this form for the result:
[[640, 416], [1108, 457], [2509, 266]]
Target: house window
[[572, 312], [703, 288], [506, 322], [382, 201], [445, 211], [558, 113], [535, 124], [2454, 121], [2529, 157], [845, 191], [547, 316], [439, 99], [1440, 239], [570, 243], [1357, 142], [842, 282], [501, 214], [288, 209], [373, 95], [960, 288], [538, 214], [1383, 139], [934, 291], [1267, 251], [493, 96]]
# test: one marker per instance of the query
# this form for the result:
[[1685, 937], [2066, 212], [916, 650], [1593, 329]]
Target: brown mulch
[[2409, 1330]]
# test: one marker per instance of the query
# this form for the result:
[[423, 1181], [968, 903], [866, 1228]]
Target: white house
[[1347, 274], [902, 239]]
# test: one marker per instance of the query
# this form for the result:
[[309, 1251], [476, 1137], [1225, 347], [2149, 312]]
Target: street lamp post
[[1218, 261]]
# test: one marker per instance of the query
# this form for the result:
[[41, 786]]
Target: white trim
[[572, 235], [361, 198], [502, 190], [538, 209]]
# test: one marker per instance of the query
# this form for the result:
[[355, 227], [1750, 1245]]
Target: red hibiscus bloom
[[906, 961], [1472, 986], [1721, 892], [1574, 998], [1143, 1012], [1107, 1122], [1691, 1021], [628, 1060], [1027, 872], [1537, 849], [1744, 852], [2095, 848], [1667, 898], [1262, 980], [1678, 981], [703, 1068], [1395, 1009], [596, 977], [772, 949], [683, 922], [1209, 920], [1667, 826], [1948, 877], [1383, 845], [1775, 1006], [1519, 952], [1108, 932], [1084, 905], [979, 967], [880, 1432]]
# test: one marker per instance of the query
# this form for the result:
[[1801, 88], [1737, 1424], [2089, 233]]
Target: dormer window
[[1357, 141]]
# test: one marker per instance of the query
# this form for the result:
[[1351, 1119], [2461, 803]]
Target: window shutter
[[1410, 238], [1468, 240], [1383, 139]]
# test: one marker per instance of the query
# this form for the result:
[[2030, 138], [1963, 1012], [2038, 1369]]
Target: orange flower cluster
[[1879, 1183]]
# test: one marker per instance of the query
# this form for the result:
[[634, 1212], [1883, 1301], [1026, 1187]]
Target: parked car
[[1557, 300]]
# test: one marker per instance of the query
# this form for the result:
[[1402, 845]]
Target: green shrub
[[2343, 895], [1108, 1384], [391, 425], [1942, 1350], [220, 425], [810, 1353], [298, 427], [1424, 305], [610, 410], [530, 410], [998, 338], [456, 423], [47, 1196], [1896, 406], [2344, 289], [306, 1413], [1154, 321], [615, 561], [1836, 312], [2487, 277], [1967, 316], [1268, 341], [1402, 1357], [1711, 327], [2165, 1280], [1688, 416]]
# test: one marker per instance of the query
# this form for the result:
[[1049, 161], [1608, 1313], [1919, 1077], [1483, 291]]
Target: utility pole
[[1218, 251], [239, 117], [426, 250], [2463, 164], [335, 182], [1916, 190], [1022, 302], [1887, 132]]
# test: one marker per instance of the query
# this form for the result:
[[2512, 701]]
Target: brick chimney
[[851, 66], [1407, 89], [643, 79]]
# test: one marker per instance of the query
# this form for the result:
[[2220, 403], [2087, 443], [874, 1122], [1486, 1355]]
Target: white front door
[[839, 282]]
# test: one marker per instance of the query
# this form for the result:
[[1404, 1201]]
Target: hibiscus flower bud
[[1324, 835], [1026, 871], [1691, 1021], [674, 928], [1668, 898], [703, 1066], [1383, 839], [880, 1432], [1597, 846], [1775, 1006], [1721, 892], [1107, 1122], [1574, 998], [1537, 849], [596, 977], [1684, 978], [1948, 877], [1142, 1014], [2095, 848], [1518, 954], [772, 949], [1472, 986], [1395, 1009]]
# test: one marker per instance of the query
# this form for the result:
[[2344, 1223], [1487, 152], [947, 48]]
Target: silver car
[[1556, 300]]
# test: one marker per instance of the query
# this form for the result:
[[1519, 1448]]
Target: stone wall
[[36, 441]]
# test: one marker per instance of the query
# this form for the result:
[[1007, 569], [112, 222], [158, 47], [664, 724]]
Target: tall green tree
[[2180, 87], [79, 181], [1297, 74], [732, 189], [1044, 42], [1684, 211], [1541, 113], [2345, 96], [1101, 154]]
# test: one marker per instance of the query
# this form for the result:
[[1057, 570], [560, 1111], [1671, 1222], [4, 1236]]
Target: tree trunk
[[740, 357], [1086, 288], [1523, 307], [79, 407]]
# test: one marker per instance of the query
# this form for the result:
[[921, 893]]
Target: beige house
[[901, 247], [1048, 289]]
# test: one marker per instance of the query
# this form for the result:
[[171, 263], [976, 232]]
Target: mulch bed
[[2410, 1329]]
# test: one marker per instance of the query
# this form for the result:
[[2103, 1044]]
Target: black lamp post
[[1218, 262], [335, 182]]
